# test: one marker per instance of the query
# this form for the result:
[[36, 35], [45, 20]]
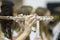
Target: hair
[[41, 12], [56, 15], [7, 10], [26, 10], [57, 12]]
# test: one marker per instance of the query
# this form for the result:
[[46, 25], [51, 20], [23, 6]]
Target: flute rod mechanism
[[23, 17]]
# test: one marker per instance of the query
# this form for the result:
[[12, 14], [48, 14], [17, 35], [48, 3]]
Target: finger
[[28, 17], [32, 22], [31, 19]]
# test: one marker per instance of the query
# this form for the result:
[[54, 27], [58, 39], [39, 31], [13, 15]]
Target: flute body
[[23, 17]]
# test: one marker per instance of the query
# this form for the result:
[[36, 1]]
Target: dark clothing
[[7, 10], [6, 26], [58, 37]]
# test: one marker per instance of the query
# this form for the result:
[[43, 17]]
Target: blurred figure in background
[[56, 24], [19, 29], [8, 9], [44, 33], [25, 10]]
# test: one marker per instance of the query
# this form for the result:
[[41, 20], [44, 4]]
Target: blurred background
[[50, 4]]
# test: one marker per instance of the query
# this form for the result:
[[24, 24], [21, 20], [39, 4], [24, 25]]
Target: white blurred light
[[35, 3], [53, 1]]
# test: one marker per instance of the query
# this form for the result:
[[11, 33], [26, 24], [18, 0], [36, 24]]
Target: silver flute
[[23, 17]]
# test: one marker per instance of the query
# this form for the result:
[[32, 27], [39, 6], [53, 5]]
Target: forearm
[[23, 35]]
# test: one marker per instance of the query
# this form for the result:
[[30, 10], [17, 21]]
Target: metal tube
[[23, 17]]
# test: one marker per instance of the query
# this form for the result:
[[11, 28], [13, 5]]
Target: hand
[[29, 21]]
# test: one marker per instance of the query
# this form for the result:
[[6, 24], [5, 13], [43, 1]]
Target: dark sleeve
[[58, 37]]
